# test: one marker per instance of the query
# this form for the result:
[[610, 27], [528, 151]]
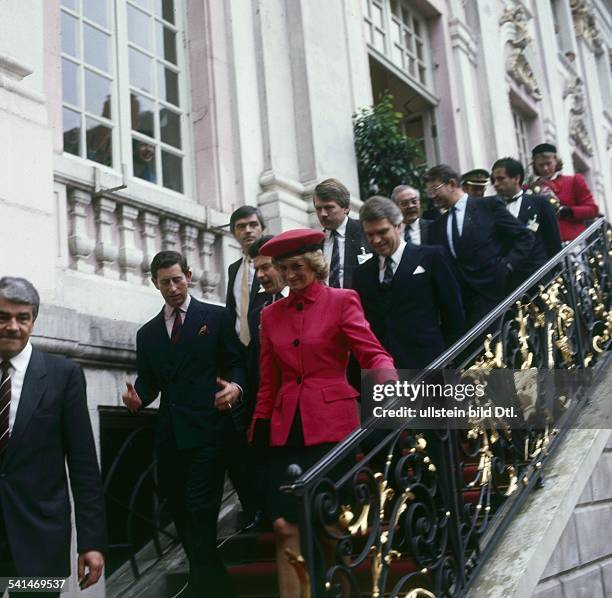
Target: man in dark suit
[[408, 292], [534, 211], [247, 225], [44, 426], [344, 247], [485, 242], [408, 200], [182, 352]]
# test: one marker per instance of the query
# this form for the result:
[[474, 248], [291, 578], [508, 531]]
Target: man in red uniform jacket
[[576, 201]]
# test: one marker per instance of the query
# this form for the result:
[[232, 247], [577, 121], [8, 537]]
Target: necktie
[[388, 275], [454, 230], [245, 336], [334, 265], [177, 327], [5, 405]]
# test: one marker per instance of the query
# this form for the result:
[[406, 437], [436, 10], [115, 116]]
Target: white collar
[[20, 362], [169, 310], [396, 256], [341, 230]]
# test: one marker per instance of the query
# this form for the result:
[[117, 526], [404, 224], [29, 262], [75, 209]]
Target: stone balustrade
[[116, 238]]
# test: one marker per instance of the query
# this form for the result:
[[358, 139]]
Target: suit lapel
[[408, 263], [34, 388]]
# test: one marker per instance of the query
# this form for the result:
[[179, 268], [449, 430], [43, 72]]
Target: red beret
[[293, 242]]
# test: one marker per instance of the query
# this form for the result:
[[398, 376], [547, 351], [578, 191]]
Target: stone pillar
[[170, 240], [210, 278], [106, 251], [149, 225], [130, 257], [80, 244], [189, 240]]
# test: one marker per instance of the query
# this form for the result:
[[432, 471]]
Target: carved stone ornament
[[578, 132], [517, 63], [585, 24]]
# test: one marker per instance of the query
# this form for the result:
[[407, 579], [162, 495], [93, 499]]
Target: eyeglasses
[[435, 189], [403, 203]]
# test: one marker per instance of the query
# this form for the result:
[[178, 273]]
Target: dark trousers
[[8, 568], [241, 465], [192, 481]]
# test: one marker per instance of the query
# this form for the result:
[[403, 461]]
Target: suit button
[[299, 379], [296, 342], [299, 306]]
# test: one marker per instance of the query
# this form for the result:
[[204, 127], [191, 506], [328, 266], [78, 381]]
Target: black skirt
[[294, 452]]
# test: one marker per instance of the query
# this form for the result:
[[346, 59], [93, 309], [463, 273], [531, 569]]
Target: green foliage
[[385, 156]]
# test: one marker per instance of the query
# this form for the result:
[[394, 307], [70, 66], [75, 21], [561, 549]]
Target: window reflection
[[96, 47], [70, 82], [168, 85], [170, 127], [96, 11], [97, 95], [172, 171], [139, 27], [166, 43], [99, 142], [165, 9], [69, 35], [72, 131], [143, 114], [140, 70]]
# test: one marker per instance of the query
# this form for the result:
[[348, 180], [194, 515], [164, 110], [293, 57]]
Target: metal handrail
[[337, 453]]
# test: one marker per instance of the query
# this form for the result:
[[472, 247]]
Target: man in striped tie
[[44, 426]]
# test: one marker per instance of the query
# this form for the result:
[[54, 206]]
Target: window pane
[[395, 7], [396, 56], [72, 131], [165, 9], [97, 95], [419, 49], [377, 16], [139, 28], [168, 85], [140, 70], [99, 142], [172, 171], [143, 115], [411, 66], [144, 3], [379, 41], [96, 47], [408, 40], [422, 75], [70, 83], [166, 43], [96, 11], [70, 35], [396, 32], [170, 127], [143, 155], [416, 26], [69, 4]]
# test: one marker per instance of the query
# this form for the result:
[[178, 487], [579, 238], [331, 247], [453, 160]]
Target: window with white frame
[[394, 28], [88, 90], [141, 45], [521, 131]]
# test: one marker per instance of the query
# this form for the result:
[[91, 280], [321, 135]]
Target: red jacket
[[573, 191], [305, 345]]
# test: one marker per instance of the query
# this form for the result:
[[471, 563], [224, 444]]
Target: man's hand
[[228, 396], [94, 561], [131, 399]]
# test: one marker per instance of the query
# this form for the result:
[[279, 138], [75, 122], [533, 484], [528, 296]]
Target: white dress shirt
[[460, 207], [328, 248], [19, 365], [237, 288], [414, 230], [169, 314], [396, 258], [514, 207]]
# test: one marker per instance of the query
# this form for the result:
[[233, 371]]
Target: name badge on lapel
[[363, 256], [533, 224]]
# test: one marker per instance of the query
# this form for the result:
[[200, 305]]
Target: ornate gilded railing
[[412, 512]]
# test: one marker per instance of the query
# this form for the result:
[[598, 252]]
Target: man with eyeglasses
[[485, 242], [408, 200]]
